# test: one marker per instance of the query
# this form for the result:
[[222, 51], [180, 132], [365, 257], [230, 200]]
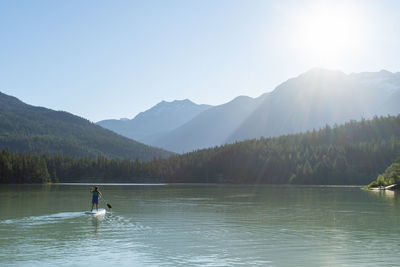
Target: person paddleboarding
[[96, 194]]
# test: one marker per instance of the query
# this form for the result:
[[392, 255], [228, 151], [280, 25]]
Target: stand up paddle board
[[96, 212]]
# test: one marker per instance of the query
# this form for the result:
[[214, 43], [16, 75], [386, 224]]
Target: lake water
[[193, 225]]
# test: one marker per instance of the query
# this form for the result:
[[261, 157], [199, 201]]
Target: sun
[[329, 31]]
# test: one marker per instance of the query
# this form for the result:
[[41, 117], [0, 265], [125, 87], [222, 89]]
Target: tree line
[[353, 153]]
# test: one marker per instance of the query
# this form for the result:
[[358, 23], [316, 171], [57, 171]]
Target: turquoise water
[[189, 225]]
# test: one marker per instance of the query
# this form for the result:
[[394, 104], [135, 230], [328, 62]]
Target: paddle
[[108, 205], [101, 198]]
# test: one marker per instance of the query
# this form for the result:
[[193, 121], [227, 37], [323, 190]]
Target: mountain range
[[309, 101], [26, 128], [149, 126]]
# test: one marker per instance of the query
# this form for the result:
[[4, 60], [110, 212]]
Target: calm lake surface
[[198, 225]]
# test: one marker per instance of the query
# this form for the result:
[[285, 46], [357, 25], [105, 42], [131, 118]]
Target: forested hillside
[[354, 153], [25, 128]]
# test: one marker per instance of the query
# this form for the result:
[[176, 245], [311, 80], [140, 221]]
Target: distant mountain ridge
[[26, 128], [314, 99], [212, 127], [157, 121], [308, 101]]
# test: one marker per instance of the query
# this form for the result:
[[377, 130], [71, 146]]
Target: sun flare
[[330, 31]]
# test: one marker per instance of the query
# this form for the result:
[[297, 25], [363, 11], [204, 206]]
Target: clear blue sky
[[112, 59]]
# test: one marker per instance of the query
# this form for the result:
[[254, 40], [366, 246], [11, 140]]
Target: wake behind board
[[96, 212]]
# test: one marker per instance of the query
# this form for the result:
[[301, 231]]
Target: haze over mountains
[[152, 124], [309, 101], [25, 128], [320, 97]]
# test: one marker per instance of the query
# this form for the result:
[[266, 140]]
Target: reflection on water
[[390, 197], [96, 220], [199, 226]]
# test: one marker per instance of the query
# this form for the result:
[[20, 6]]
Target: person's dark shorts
[[95, 200]]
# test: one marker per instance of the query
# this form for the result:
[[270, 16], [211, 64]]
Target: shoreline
[[195, 184]]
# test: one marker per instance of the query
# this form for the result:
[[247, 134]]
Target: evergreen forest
[[351, 154], [26, 128]]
